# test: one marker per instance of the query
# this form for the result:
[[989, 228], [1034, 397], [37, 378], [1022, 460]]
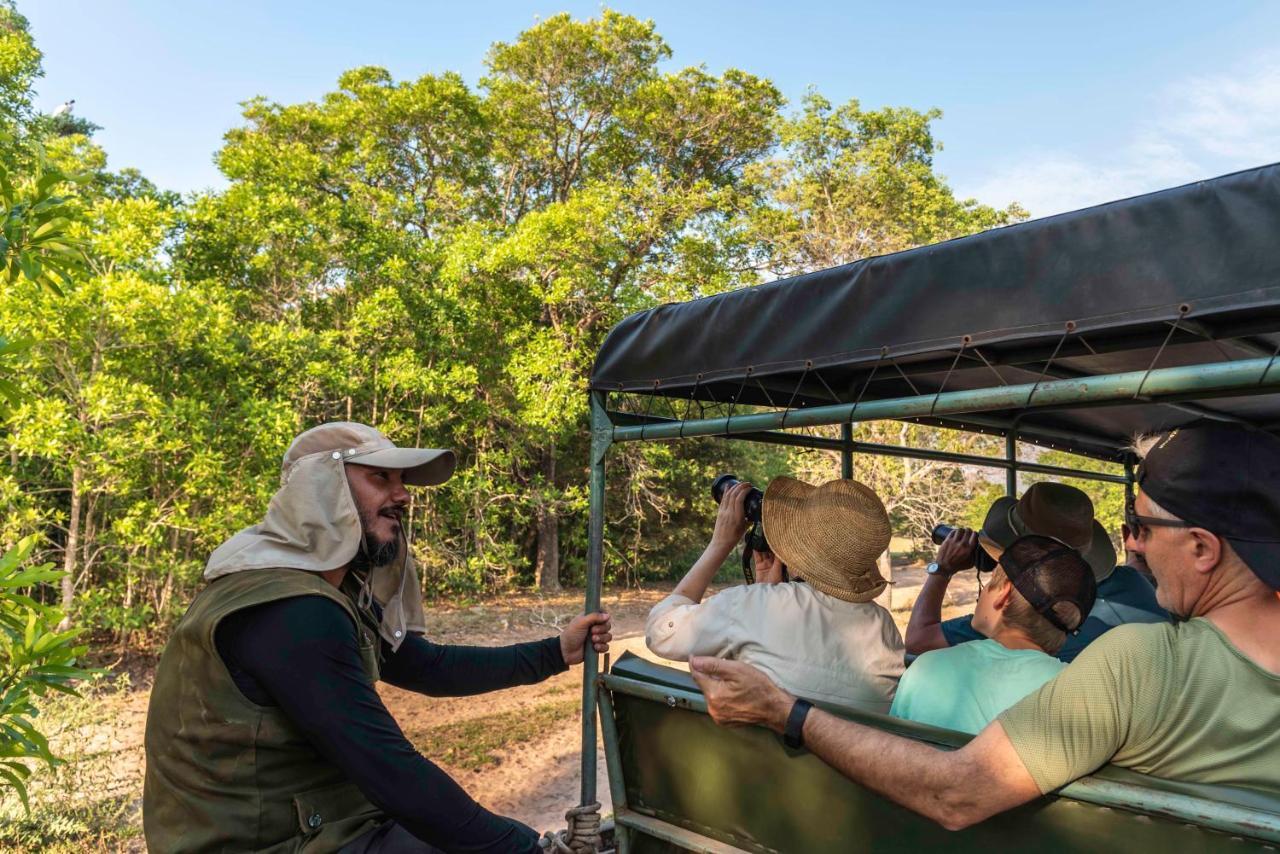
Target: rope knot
[[582, 835]]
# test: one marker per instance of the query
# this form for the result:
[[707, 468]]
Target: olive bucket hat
[[1053, 510], [829, 535]]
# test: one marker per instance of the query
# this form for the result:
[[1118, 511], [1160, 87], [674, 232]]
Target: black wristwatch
[[793, 735]]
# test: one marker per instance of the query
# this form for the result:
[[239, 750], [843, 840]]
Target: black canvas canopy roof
[[1180, 277]]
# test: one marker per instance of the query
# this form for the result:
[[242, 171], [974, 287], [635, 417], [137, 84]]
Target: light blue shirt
[[965, 687]]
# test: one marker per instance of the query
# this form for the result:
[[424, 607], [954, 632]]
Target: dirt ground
[[516, 751]]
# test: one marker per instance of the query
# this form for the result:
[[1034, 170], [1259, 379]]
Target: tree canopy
[[440, 260]]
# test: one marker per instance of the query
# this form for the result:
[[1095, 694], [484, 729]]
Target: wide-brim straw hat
[[829, 535]]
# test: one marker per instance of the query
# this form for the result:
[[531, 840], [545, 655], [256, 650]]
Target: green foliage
[[19, 68], [442, 261], [852, 183], [91, 799], [35, 236], [34, 660]]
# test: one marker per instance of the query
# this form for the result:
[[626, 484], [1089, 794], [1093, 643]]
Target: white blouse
[[814, 645]]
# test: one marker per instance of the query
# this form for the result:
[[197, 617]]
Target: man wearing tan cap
[[820, 635], [265, 732]]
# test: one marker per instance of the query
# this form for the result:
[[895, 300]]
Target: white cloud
[[1200, 127]]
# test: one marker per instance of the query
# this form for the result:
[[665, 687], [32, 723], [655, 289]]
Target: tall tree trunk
[[71, 550], [548, 563]]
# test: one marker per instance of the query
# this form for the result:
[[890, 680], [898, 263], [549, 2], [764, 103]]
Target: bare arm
[[731, 525], [924, 630], [954, 788], [941, 785]]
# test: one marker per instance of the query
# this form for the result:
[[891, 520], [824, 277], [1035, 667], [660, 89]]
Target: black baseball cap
[[1047, 572], [1224, 478]]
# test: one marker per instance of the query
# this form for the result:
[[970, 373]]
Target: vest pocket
[[317, 808]]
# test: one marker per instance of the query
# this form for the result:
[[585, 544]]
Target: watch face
[[932, 569]]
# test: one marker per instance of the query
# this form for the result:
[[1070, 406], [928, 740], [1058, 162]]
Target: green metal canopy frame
[[1245, 377], [1071, 332]]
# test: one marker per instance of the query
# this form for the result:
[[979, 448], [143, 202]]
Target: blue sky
[[1056, 105]]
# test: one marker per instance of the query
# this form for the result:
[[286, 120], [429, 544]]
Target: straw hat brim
[[830, 535]]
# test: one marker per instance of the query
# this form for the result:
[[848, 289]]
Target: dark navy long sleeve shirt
[[302, 655]]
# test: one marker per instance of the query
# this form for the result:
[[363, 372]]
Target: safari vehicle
[[1073, 332]]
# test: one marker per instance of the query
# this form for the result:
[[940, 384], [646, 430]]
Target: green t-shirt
[[1174, 701], [965, 686]]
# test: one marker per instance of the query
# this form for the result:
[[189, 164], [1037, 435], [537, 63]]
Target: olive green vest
[[225, 774]]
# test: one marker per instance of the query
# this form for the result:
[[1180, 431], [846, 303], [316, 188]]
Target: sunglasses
[[1138, 524]]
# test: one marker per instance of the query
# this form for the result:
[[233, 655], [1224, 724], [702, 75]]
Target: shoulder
[[936, 658], [763, 594], [1133, 647], [1126, 585], [302, 619]]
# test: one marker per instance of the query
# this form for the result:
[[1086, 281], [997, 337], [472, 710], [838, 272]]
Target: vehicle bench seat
[[742, 787]]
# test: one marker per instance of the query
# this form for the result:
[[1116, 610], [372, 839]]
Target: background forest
[[442, 261]]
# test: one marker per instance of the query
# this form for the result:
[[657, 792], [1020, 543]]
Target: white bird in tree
[[64, 109]]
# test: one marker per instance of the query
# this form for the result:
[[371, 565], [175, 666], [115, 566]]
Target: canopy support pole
[[1198, 380], [1011, 456], [601, 439], [846, 451]]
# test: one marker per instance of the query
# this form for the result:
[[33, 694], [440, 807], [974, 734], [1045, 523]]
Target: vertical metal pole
[[1128, 483], [846, 453], [1011, 473], [613, 761], [601, 439]]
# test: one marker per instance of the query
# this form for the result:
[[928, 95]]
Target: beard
[[374, 552]]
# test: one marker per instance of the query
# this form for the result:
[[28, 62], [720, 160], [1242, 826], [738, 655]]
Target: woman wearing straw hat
[[819, 633]]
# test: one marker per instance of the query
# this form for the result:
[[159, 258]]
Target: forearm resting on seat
[[954, 788]]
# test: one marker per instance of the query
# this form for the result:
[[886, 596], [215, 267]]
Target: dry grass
[[478, 743], [92, 801]]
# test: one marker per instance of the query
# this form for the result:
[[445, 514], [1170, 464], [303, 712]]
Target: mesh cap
[[1053, 577]]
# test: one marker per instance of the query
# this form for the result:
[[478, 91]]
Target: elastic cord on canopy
[[1044, 372], [1182, 311], [795, 391], [993, 368], [1270, 362], [903, 374], [734, 401], [963, 343], [689, 406]]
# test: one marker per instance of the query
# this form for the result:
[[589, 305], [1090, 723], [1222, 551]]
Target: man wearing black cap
[[1197, 700], [1038, 594], [1055, 510]]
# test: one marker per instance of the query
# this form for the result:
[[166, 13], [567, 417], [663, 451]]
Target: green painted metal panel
[[741, 787]]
